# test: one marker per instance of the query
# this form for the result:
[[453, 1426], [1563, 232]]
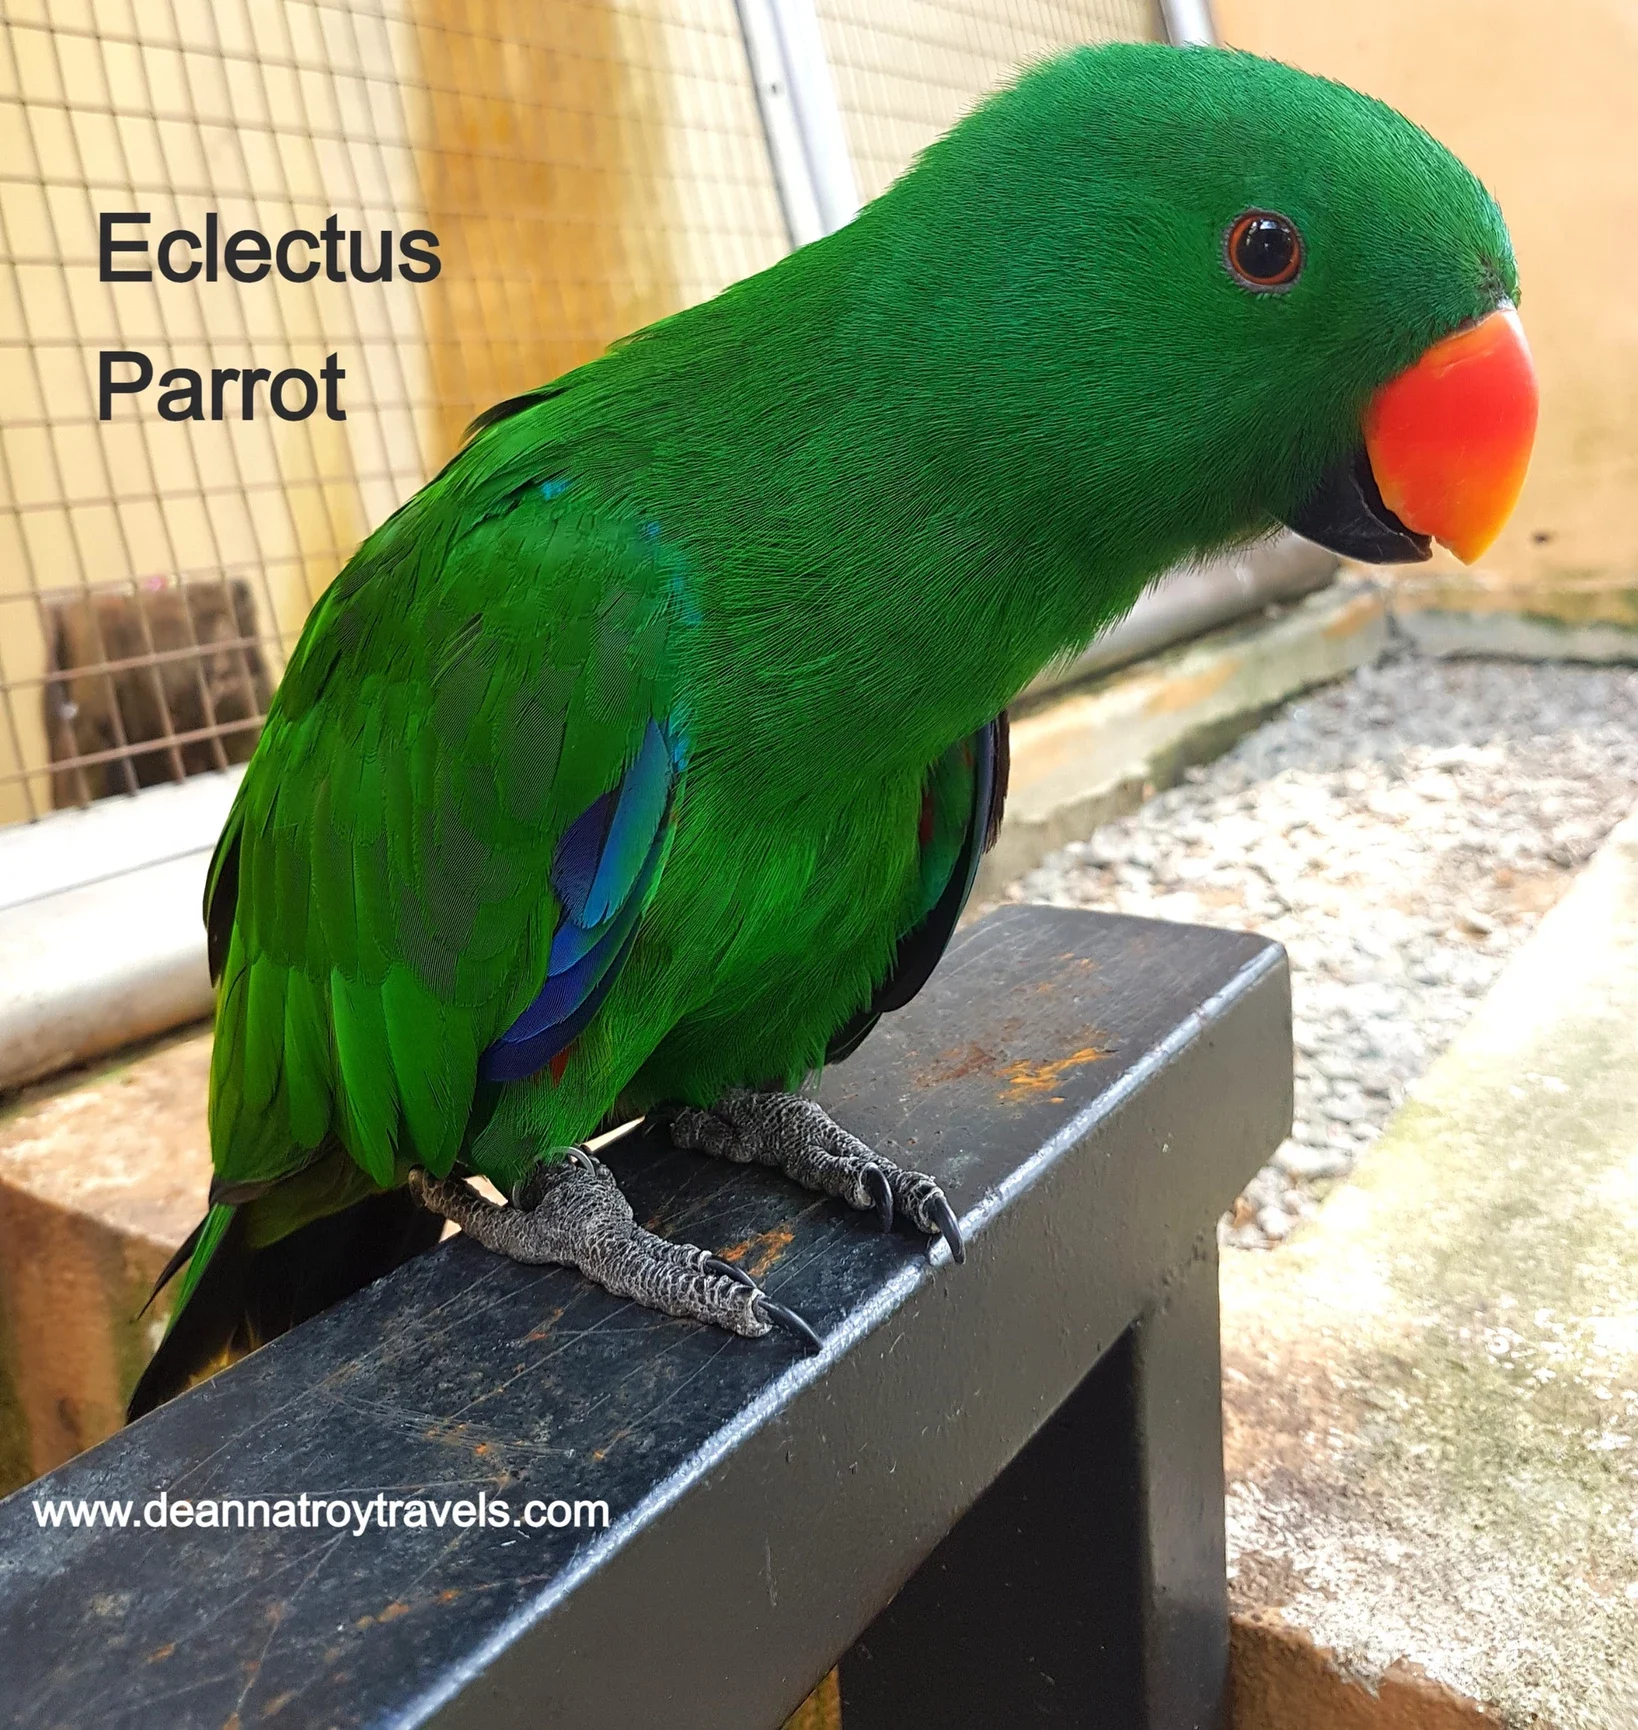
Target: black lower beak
[[1345, 514]]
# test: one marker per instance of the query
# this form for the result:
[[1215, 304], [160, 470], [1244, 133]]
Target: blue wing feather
[[574, 864], [636, 821], [603, 870]]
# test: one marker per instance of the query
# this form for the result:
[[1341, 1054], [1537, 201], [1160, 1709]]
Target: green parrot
[[646, 755]]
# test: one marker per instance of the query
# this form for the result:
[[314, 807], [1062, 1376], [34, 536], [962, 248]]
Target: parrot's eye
[[1263, 251]]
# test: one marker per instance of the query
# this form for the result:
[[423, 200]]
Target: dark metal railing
[[995, 1497]]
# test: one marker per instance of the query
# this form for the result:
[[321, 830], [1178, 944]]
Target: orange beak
[[1449, 439]]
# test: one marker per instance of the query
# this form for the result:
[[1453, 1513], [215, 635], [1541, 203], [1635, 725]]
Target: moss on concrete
[[1433, 1393], [1571, 616], [1568, 598]]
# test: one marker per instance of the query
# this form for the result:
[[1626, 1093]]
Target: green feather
[[309, 1075], [435, 1060], [264, 1033], [210, 1237], [368, 1100]]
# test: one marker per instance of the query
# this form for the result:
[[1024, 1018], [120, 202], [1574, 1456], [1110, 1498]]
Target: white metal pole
[[1188, 23], [800, 116]]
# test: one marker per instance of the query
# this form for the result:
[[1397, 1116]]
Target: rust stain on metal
[[774, 1244], [960, 1060], [969, 1058], [393, 1611], [278, 1703], [759, 1253], [447, 1431], [162, 1652], [1027, 1079], [545, 1328], [608, 1447]]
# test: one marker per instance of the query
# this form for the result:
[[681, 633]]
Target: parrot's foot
[[573, 1214], [795, 1135]]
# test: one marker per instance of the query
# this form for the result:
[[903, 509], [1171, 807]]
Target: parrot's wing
[[603, 871], [445, 841], [961, 807]]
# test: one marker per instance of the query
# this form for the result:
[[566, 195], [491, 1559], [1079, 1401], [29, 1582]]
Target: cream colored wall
[[1541, 100]]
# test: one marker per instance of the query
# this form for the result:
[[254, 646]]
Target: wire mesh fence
[[585, 169], [907, 71]]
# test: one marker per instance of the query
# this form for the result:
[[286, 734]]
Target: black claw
[[945, 1220], [530, 1189], [765, 1309], [876, 1179], [715, 1264]]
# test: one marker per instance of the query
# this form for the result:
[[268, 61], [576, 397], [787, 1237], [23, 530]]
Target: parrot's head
[[1226, 293]]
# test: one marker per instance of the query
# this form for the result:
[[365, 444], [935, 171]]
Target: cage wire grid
[[587, 168], [905, 72]]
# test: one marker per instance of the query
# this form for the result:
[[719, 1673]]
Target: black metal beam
[[1092, 1091], [1087, 1587]]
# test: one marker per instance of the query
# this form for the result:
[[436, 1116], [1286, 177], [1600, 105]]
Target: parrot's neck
[[892, 523]]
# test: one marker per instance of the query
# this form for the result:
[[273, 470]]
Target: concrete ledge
[[1451, 611], [1097, 752], [1432, 1393], [1283, 1681], [101, 1176], [1515, 636], [72, 849]]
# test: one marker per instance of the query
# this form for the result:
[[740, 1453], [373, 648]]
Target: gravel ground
[[1401, 833]]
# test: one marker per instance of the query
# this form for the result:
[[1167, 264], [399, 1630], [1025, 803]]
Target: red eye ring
[[1263, 251]]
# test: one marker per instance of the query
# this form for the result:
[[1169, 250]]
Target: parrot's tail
[[239, 1292]]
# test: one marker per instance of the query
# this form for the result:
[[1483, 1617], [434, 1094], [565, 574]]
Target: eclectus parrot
[[646, 755]]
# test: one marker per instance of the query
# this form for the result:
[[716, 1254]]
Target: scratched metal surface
[[1091, 1090]]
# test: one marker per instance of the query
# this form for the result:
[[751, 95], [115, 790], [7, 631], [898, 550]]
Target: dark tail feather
[[204, 1329], [180, 1257], [245, 1296]]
